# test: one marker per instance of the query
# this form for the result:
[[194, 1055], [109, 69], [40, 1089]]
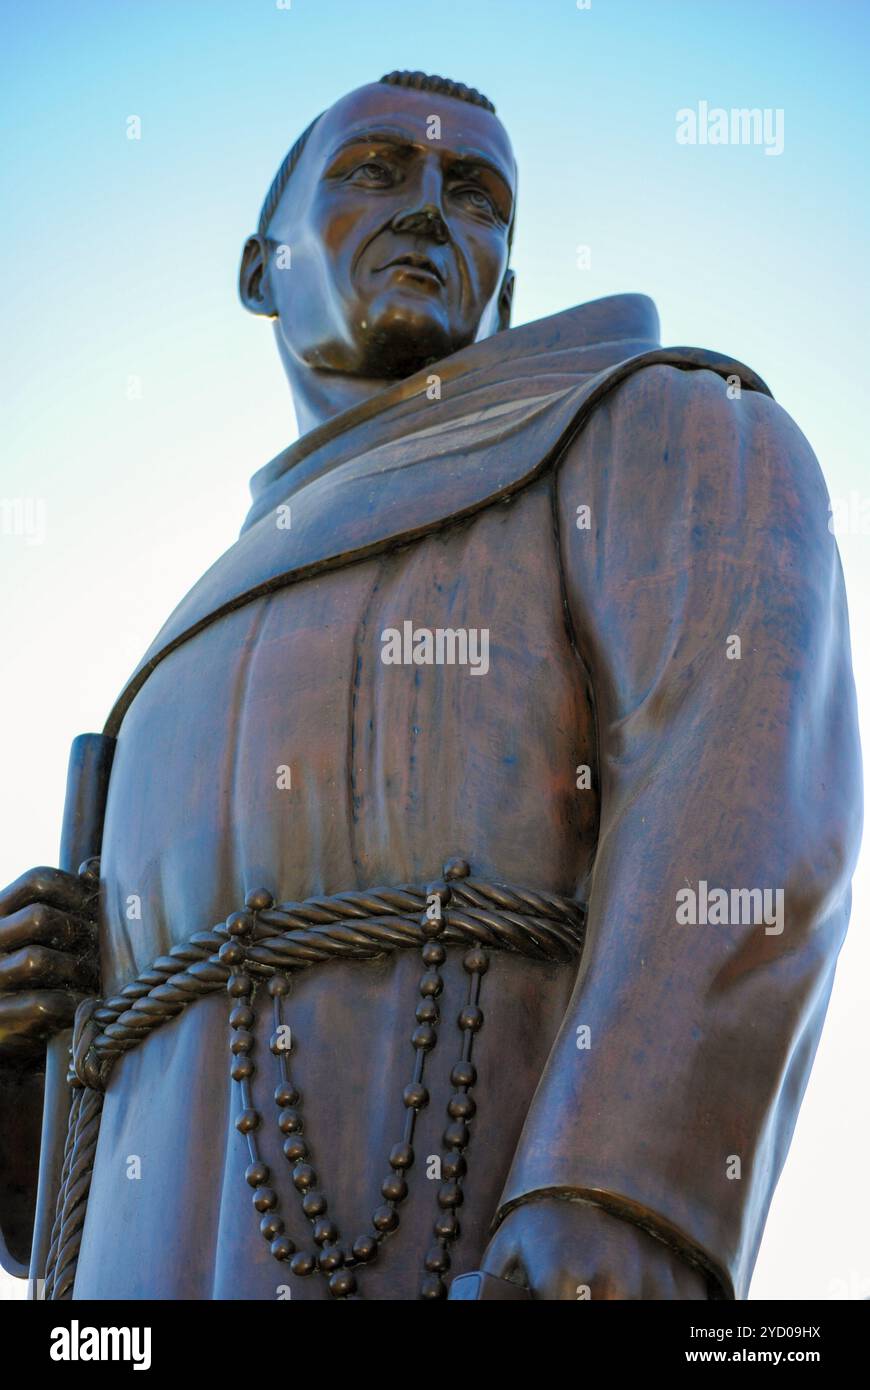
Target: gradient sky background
[[120, 259]]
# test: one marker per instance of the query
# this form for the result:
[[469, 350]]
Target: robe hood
[[437, 446]]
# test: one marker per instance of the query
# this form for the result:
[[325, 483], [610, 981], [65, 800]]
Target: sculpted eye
[[373, 172], [478, 199]]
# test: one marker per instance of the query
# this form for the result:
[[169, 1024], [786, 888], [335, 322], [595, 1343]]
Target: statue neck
[[318, 396]]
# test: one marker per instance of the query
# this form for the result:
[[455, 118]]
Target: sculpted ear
[[255, 291], [505, 300]]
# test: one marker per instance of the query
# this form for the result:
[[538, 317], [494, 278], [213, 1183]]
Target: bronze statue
[[470, 853]]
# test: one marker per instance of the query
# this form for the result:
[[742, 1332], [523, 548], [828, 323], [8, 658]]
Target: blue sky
[[120, 262]]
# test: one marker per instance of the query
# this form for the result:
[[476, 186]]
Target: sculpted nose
[[426, 220]]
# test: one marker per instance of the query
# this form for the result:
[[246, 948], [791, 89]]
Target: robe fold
[[613, 515]]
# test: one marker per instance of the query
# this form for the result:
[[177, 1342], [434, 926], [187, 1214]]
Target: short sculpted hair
[[418, 81]]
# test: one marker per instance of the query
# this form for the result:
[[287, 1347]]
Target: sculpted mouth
[[416, 262]]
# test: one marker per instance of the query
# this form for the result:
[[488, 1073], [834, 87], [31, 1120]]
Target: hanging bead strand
[[460, 1110], [240, 987]]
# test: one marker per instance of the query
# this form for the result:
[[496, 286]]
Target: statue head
[[384, 240]]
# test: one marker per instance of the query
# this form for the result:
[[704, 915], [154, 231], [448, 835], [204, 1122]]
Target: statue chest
[[351, 731], [357, 728]]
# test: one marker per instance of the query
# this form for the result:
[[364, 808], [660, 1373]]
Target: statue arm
[[731, 765]]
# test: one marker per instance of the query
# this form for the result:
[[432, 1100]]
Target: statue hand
[[573, 1250], [48, 957]]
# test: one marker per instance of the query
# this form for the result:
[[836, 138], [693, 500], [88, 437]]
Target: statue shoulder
[[686, 420]]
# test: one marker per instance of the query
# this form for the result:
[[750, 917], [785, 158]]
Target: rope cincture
[[287, 938]]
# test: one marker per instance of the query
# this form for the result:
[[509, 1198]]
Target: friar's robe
[[614, 515]]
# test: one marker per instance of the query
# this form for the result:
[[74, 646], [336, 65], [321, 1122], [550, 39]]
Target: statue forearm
[[725, 769]]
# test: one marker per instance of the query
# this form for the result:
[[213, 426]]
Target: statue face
[[398, 241]]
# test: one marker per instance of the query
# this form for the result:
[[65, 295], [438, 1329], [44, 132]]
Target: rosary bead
[[281, 1041], [242, 1042], [401, 1156], [265, 1199], [314, 1203], [325, 1231], [256, 1174], [450, 1195], [461, 1106], [239, 985], [442, 889], [470, 1017], [242, 1069], [271, 1226], [437, 1260], [463, 1074], [434, 953], [432, 1287], [446, 1225], [302, 1264], [342, 1283], [476, 961], [365, 1248], [240, 924], [242, 1016], [385, 1219], [304, 1177], [456, 1135], [431, 984], [259, 900], [279, 986], [453, 1165], [231, 953], [282, 1248], [290, 1121], [456, 868], [286, 1094], [432, 927], [248, 1121], [330, 1258], [424, 1037], [394, 1188], [415, 1096], [295, 1149], [427, 1011]]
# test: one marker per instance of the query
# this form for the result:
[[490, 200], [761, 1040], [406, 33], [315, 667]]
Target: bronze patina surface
[[475, 838]]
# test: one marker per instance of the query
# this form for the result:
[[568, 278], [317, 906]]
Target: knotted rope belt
[[264, 946]]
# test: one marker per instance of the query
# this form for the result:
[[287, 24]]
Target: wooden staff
[[90, 762]]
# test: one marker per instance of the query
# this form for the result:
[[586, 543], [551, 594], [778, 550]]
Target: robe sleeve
[[730, 764]]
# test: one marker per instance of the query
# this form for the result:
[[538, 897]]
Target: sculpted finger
[[55, 887], [27, 1019], [621, 1275], [40, 925], [39, 967], [672, 1279], [502, 1255]]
